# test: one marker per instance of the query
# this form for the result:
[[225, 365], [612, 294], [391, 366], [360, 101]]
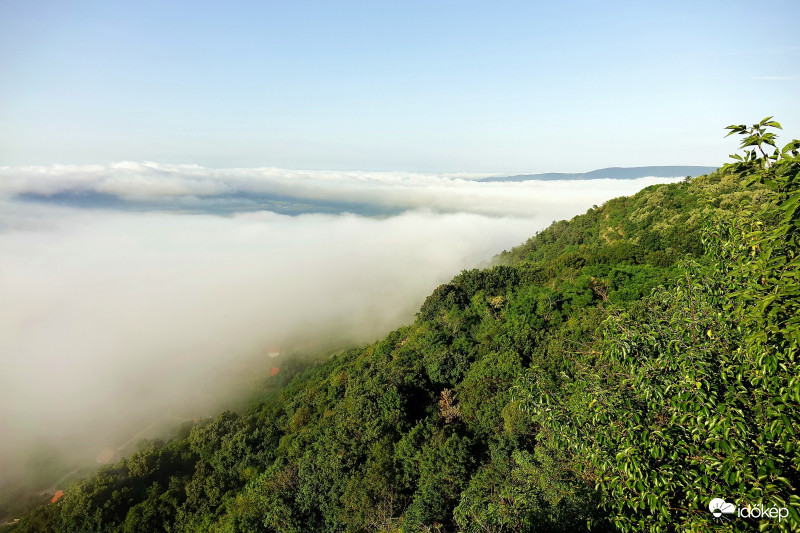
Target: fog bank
[[196, 188]]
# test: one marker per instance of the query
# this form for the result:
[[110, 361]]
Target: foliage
[[755, 139], [694, 394]]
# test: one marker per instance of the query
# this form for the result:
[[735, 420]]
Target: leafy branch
[[757, 138]]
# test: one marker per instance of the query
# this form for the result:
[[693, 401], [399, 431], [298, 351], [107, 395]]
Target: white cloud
[[108, 316], [393, 190]]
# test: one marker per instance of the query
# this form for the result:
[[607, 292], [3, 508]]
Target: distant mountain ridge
[[620, 173]]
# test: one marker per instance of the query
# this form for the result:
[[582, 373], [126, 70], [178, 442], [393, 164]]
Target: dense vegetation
[[616, 371]]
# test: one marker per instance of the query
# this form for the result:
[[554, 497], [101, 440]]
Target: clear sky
[[420, 86]]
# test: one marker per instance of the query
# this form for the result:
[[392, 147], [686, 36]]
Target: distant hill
[[620, 173]]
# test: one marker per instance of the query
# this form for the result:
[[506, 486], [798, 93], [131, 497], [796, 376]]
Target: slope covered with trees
[[617, 371]]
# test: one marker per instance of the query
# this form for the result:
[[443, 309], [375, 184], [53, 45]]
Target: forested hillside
[[618, 370]]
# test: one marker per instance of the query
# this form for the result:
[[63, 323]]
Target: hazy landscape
[[430, 267], [102, 296]]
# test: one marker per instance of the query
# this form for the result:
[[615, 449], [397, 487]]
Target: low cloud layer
[[110, 316], [198, 187]]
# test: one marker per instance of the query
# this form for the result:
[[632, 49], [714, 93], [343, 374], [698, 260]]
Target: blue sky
[[417, 86]]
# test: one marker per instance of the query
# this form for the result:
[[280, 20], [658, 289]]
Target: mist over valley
[[402, 267]]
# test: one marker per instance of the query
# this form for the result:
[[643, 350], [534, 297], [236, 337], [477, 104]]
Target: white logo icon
[[719, 507]]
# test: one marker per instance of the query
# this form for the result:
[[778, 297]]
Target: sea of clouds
[[113, 315], [149, 183]]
